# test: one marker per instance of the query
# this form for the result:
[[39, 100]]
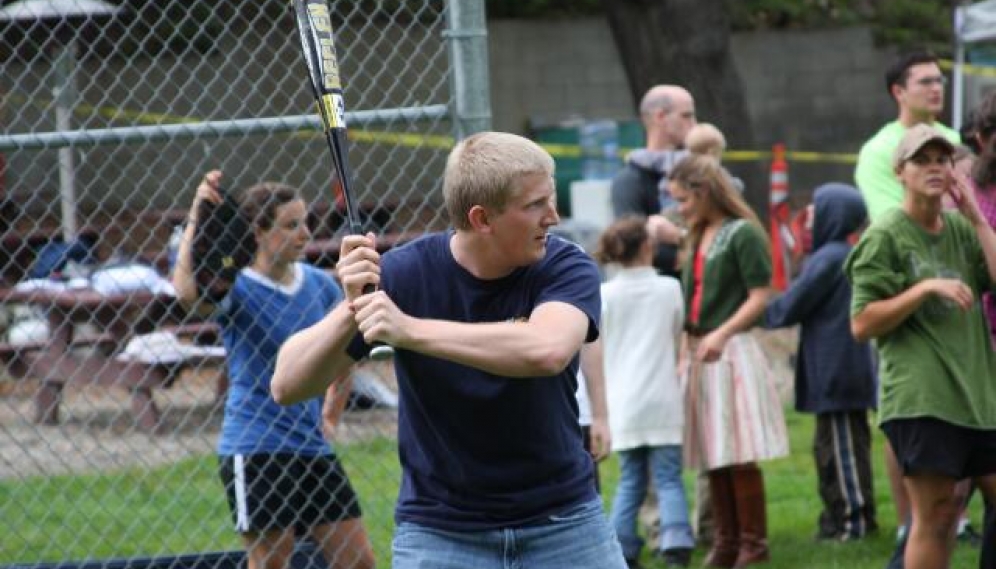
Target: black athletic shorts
[[925, 445], [281, 491]]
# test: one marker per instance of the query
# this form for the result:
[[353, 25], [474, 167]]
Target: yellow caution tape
[[574, 151], [441, 142], [969, 69]]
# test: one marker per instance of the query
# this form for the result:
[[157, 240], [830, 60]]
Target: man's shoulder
[[887, 138], [951, 134], [559, 249], [883, 141], [418, 252], [633, 175], [419, 245]]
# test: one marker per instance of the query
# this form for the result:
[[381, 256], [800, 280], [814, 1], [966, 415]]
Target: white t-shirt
[[584, 405], [642, 318]]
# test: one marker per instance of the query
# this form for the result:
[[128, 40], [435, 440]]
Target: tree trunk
[[687, 43]]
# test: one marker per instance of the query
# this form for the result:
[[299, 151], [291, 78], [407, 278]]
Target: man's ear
[[479, 218], [896, 89]]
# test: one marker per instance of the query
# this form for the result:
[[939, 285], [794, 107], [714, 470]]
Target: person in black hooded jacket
[[834, 374]]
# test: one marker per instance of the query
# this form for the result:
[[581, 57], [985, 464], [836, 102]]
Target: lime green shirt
[[874, 175], [938, 362], [737, 260]]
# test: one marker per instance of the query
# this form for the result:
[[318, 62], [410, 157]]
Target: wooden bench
[[199, 333]]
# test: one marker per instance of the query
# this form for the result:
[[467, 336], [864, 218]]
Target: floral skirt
[[733, 414]]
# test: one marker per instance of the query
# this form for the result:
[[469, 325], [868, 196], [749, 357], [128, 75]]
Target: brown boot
[[725, 545], [748, 489]]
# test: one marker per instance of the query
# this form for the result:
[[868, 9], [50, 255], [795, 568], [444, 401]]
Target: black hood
[[839, 211]]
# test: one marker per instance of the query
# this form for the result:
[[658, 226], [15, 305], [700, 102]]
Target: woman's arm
[[963, 194], [883, 316], [183, 269], [711, 347]]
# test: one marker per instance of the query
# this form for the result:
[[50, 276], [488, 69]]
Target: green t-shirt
[[737, 261], [938, 362], [874, 174]]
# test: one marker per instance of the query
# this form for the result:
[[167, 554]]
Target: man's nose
[[552, 215]]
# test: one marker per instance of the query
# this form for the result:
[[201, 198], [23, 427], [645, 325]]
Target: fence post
[[467, 35]]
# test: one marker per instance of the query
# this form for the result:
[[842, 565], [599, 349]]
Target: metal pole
[[217, 129], [65, 98], [467, 34]]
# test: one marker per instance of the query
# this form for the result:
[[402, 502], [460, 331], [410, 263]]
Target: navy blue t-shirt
[[480, 451]]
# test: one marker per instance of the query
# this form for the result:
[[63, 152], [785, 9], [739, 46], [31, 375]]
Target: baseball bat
[[314, 24]]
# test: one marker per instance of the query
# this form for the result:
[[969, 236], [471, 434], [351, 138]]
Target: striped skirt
[[733, 414]]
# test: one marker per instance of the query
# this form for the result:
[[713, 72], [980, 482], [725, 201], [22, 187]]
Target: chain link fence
[[111, 395]]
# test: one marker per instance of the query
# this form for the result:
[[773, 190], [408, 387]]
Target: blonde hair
[[705, 138], [486, 169], [704, 176]]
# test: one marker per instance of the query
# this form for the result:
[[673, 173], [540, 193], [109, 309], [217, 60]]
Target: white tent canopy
[[973, 23], [56, 9]]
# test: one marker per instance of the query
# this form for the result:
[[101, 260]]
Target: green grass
[[181, 508], [793, 507]]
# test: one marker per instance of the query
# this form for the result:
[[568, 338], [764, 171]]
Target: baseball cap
[[915, 139]]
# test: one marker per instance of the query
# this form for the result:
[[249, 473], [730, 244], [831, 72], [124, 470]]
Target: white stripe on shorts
[[241, 508]]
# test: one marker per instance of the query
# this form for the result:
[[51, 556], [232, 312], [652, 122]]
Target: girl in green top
[[917, 275], [733, 415]]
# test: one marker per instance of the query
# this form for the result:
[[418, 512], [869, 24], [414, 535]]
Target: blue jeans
[[579, 538], [664, 463]]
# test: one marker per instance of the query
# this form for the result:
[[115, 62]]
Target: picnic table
[[119, 318]]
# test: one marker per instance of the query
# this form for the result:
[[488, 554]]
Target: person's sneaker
[[967, 534], [633, 564], [677, 557]]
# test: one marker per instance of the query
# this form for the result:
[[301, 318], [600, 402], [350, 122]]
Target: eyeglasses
[[936, 80]]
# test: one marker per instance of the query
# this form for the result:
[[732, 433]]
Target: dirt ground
[[96, 431]]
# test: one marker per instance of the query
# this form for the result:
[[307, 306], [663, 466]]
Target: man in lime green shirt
[[916, 83]]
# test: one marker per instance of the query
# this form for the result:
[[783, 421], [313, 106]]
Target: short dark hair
[[899, 71]]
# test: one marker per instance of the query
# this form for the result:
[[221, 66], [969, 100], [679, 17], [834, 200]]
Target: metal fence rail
[[111, 395]]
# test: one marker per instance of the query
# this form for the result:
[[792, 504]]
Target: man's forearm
[[542, 346], [310, 359]]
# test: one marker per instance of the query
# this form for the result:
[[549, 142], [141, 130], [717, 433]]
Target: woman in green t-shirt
[[917, 275], [733, 413]]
